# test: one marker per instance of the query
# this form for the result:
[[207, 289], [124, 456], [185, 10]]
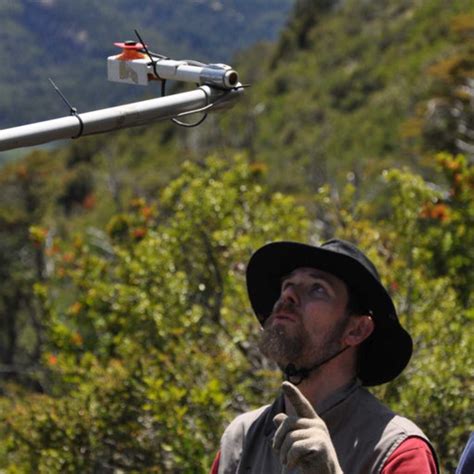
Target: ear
[[358, 330]]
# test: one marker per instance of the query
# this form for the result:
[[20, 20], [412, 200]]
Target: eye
[[317, 288]]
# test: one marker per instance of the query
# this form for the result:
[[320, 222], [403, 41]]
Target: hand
[[303, 440]]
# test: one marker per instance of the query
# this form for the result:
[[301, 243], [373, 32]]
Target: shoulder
[[379, 413], [241, 423], [372, 429], [412, 455], [392, 425], [233, 439], [402, 441], [405, 427]]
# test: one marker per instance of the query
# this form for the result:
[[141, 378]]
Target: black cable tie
[[81, 124], [72, 110]]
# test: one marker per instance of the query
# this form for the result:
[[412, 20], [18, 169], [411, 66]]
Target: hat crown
[[350, 250]]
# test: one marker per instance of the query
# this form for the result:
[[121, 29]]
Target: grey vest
[[363, 430]]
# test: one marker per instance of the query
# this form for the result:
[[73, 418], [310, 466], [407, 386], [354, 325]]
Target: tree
[[152, 349], [24, 239]]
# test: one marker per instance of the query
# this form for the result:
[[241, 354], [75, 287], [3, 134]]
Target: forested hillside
[[126, 338], [350, 85], [70, 42]]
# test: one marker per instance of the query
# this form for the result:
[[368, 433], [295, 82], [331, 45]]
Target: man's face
[[308, 320]]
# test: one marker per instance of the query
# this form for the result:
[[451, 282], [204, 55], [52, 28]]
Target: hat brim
[[385, 354]]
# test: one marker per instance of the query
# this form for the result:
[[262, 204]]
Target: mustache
[[285, 306]]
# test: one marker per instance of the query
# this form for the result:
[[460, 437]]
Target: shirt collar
[[278, 406], [337, 397]]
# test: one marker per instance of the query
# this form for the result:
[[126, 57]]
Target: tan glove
[[303, 440]]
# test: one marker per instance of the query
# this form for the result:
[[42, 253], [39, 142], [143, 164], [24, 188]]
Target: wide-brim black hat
[[386, 352]]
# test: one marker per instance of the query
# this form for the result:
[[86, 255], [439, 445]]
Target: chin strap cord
[[296, 376]]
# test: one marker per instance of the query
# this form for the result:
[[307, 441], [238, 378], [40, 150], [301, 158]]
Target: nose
[[289, 295]]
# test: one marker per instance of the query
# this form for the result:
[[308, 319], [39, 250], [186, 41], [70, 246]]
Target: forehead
[[309, 273]]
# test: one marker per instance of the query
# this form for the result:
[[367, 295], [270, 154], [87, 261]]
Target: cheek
[[319, 312], [321, 316]]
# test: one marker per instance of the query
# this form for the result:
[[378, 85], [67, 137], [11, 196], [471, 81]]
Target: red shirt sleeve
[[413, 456], [215, 464]]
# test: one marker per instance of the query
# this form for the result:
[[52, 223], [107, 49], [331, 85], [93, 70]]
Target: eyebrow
[[314, 274]]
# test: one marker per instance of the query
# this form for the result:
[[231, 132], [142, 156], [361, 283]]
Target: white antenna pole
[[114, 118]]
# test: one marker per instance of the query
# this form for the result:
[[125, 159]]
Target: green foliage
[[152, 348], [405, 239], [134, 339], [341, 101], [135, 332], [27, 188], [451, 242]]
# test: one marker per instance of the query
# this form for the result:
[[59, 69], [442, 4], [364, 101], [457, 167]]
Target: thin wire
[[202, 109], [157, 55], [72, 110], [153, 62], [198, 122], [163, 88], [189, 125], [182, 114]]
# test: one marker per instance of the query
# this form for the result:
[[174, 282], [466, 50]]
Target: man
[[332, 328]]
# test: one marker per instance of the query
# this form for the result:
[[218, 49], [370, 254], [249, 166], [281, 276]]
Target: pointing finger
[[301, 405], [279, 419]]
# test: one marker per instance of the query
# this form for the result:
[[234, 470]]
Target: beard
[[292, 345], [279, 345]]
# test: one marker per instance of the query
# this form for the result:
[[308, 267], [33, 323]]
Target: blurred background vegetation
[[126, 339], [70, 41]]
